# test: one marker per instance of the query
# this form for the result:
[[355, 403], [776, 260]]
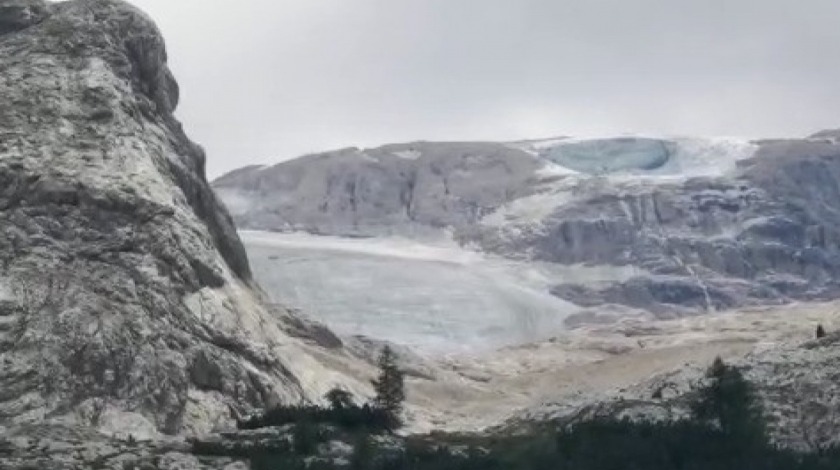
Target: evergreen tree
[[390, 387], [820, 332], [729, 402], [306, 438], [339, 399], [363, 453]]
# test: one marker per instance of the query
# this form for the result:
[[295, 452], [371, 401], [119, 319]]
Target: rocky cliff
[[126, 299], [396, 188], [705, 224]]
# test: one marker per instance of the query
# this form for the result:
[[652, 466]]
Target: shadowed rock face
[[19, 14], [767, 234], [124, 289]]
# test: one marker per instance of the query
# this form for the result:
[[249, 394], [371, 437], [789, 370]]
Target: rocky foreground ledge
[[796, 383], [126, 299]]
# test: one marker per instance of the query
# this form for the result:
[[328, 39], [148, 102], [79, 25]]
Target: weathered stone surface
[[773, 227], [395, 188], [797, 384], [19, 14], [669, 296], [125, 293], [409, 362], [56, 447]]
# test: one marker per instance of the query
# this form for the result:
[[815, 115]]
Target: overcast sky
[[267, 80]]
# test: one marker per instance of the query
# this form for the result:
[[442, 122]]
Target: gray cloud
[[268, 80]]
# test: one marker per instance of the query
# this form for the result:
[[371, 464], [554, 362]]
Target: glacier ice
[[611, 155], [643, 156], [574, 168], [434, 299]]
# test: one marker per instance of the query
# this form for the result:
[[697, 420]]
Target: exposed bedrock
[[125, 292]]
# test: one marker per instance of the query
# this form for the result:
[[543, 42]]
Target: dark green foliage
[[383, 415], [363, 453], [820, 332], [601, 444], [606, 445], [350, 417], [683, 445], [219, 449], [725, 432], [306, 438], [390, 387], [730, 404], [288, 462], [277, 462], [339, 399]]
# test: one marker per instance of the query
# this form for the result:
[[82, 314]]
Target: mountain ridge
[[709, 223]]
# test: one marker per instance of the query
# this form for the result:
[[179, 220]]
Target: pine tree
[[820, 332], [339, 399], [390, 387], [730, 403]]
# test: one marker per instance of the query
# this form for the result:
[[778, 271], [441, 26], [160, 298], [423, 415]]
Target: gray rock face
[[763, 235], [388, 189], [19, 14], [125, 294], [708, 224], [668, 296]]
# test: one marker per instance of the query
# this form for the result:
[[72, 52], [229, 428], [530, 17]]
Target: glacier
[[609, 156], [664, 206], [432, 296], [640, 156]]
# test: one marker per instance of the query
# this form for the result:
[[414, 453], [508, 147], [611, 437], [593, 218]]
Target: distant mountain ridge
[[709, 224]]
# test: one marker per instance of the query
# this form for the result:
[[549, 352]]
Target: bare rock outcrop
[[126, 298]]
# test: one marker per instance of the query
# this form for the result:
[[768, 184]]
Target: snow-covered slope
[[643, 156], [573, 168], [434, 296]]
